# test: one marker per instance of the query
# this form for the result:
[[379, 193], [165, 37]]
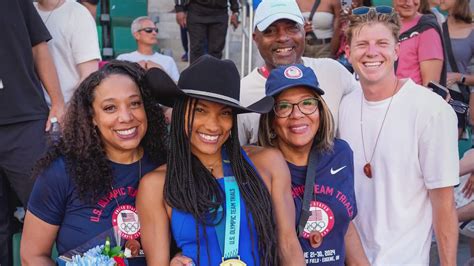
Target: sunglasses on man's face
[[149, 30], [364, 10]]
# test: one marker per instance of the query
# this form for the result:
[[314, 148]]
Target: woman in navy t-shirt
[[301, 120], [113, 134]]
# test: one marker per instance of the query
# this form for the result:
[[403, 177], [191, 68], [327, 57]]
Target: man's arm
[[445, 223], [86, 68], [180, 7], [47, 74]]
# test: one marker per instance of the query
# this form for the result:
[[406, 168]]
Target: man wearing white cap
[[280, 38]]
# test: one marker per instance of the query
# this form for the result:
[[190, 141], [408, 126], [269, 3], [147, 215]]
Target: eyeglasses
[[149, 30], [284, 109], [364, 10], [458, 106]]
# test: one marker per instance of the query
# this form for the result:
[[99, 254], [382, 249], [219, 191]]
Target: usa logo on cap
[[293, 72]]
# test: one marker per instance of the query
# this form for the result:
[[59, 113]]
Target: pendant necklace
[[213, 166], [51, 12], [368, 167]]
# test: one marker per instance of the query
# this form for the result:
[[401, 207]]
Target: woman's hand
[[452, 78], [468, 188], [181, 260], [308, 26]]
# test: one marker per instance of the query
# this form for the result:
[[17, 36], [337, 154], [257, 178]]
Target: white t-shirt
[[416, 151], [334, 80], [167, 62], [74, 41]]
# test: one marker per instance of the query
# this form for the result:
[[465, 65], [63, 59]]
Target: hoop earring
[[273, 135]]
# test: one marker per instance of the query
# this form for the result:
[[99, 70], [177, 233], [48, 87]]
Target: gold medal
[[233, 262], [315, 239]]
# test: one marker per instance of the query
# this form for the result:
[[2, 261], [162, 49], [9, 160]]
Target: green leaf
[[115, 251]]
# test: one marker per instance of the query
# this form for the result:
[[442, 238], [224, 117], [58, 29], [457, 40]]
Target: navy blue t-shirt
[[335, 204], [55, 200]]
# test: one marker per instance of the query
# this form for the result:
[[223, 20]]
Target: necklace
[[212, 166], [51, 12], [368, 167]]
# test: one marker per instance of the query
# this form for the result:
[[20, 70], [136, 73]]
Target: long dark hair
[[81, 145], [191, 188]]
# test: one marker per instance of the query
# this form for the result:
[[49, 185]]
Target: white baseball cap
[[269, 11]]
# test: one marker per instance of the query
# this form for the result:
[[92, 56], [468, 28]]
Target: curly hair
[[81, 144], [191, 188]]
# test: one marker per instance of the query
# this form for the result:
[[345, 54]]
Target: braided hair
[[81, 144], [191, 188]]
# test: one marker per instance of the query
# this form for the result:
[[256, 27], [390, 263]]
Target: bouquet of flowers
[[100, 255]]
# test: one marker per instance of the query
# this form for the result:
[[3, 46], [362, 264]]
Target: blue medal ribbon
[[228, 233]]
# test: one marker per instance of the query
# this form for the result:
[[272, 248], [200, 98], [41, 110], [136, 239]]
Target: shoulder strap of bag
[[427, 21], [449, 49], [313, 10], [465, 91], [308, 189]]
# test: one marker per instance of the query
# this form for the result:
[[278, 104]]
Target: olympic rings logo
[[316, 226], [129, 227]]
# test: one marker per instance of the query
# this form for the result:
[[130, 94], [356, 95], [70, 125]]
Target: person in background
[[207, 23], [461, 38], [406, 189], [185, 43], [210, 182], [24, 114], [91, 6], [421, 63], [113, 134], [145, 31], [75, 46], [324, 24], [433, 7], [344, 23], [301, 126], [280, 39]]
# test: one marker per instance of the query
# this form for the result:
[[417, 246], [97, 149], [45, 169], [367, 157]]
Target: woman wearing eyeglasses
[[302, 128]]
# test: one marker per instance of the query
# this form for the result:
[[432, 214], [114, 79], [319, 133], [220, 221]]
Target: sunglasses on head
[[364, 10], [149, 30]]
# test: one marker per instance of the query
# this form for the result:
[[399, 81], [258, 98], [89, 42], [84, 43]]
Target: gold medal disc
[[232, 262]]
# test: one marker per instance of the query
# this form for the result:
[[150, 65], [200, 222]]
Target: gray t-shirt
[[463, 51]]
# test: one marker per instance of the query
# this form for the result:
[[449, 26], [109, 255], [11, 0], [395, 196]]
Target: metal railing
[[247, 30], [246, 16]]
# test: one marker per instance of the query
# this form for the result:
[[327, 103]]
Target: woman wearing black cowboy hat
[[224, 207]]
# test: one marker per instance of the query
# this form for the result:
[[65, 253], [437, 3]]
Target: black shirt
[[21, 94], [212, 4]]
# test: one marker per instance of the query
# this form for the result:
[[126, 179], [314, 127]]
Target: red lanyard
[[264, 71]]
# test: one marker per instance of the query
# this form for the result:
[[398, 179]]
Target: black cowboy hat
[[208, 78]]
